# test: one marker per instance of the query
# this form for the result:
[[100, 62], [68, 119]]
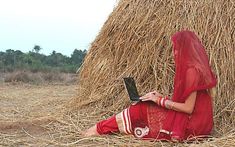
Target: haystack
[[136, 41]]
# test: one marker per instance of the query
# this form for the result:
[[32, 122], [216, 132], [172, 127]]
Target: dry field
[[26, 111], [36, 115]]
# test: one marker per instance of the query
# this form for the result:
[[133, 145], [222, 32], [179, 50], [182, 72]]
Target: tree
[[36, 48], [78, 56], [9, 58], [56, 59]]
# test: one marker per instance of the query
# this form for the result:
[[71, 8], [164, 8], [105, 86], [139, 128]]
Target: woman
[[187, 114]]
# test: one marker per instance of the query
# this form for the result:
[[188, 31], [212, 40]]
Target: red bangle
[[162, 101]]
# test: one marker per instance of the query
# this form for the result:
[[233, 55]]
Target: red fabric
[[107, 126], [138, 114], [156, 117], [148, 114], [201, 120], [193, 73]]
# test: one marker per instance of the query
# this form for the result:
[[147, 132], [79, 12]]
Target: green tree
[[9, 58], [12, 60], [78, 56], [37, 48], [56, 59], [2, 55]]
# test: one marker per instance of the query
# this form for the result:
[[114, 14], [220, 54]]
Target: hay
[[135, 41]]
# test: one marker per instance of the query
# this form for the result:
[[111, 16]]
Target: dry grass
[[27, 111], [38, 77], [135, 41]]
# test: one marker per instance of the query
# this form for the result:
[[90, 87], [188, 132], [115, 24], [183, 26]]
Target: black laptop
[[131, 88]]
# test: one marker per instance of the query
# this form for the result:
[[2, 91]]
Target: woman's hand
[[151, 96]]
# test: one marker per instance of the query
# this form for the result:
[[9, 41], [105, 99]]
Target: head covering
[[192, 73], [190, 58]]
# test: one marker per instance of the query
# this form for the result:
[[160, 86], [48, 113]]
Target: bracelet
[[172, 104], [167, 98], [167, 104], [164, 102], [159, 101]]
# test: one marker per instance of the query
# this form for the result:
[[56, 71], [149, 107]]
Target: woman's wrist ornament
[[165, 102]]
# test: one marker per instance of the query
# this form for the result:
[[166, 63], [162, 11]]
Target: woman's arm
[[186, 107]]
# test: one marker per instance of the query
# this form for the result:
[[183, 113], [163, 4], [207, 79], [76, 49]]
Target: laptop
[[131, 88]]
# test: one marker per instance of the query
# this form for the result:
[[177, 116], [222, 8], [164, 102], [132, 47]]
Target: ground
[[23, 101], [36, 115], [26, 110]]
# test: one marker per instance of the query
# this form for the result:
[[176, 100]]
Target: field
[[27, 110], [36, 115]]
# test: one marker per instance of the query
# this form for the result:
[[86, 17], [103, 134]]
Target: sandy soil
[[25, 110]]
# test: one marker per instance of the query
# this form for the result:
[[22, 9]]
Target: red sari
[[148, 120]]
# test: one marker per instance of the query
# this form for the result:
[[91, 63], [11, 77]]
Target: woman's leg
[[107, 126], [124, 122]]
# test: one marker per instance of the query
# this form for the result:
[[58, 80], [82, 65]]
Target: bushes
[[21, 76], [39, 77]]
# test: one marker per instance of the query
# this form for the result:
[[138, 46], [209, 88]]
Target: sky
[[60, 25]]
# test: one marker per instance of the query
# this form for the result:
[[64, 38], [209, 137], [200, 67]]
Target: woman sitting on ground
[[188, 114]]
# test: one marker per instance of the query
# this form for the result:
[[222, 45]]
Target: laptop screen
[[131, 88]]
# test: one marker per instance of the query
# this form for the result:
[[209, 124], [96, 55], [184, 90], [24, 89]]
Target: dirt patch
[[27, 110], [23, 101]]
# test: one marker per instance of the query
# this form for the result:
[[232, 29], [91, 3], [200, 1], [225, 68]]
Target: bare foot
[[90, 132]]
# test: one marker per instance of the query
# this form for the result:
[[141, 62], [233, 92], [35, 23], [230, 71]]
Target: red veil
[[193, 73]]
